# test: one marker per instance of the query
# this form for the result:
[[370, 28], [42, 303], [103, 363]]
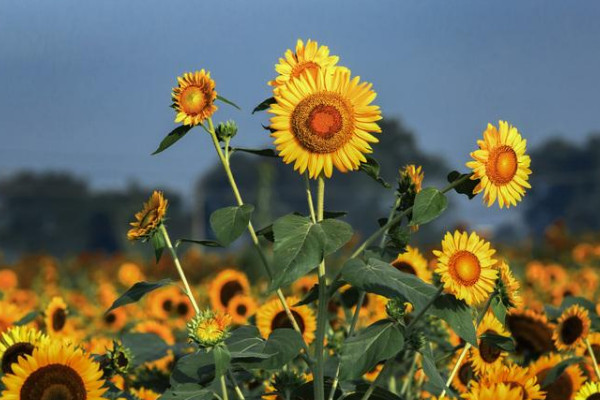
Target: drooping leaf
[[457, 314], [429, 204], [222, 360], [371, 168], [558, 370], [264, 105], [466, 187], [362, 352], [337, 234], [172, 138], [144, 347], [187, 391], [505, 343], [29, 317], [206, 243], [259, 152], [230, 222], [158, 243], [231, 103], [136, 292]]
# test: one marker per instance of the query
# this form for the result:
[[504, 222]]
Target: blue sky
[[86, 85]]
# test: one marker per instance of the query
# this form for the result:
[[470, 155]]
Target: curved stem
[[188, 290]]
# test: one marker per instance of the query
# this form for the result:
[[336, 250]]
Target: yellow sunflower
[[415, 174], [114, 321], [573, 327], [225, 286], [130, 273], [502, 165], [241, 307], [324, 121], [157, 328], [54, 370], [307, 58], [589, 391], [466, 267], [194, 97], [582, 349], [514, 376], [18, 341], [565, 386], [496, 391], [509, 286], [488, 356], [149, 219], [56, 317], [465, 375], [303, 285], [209, 328], [162, 302], [413, 262], [8, 279], [271, 316], [145, 394], [532, 332]]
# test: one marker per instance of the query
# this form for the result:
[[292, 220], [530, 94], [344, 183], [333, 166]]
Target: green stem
[[224, 388], [238, 391], [411, 373], [188, 290]]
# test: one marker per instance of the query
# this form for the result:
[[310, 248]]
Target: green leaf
[[222, 360], [465, 187], [29, 317], [429, 204], [559, 369], [264, 105], [207, 243], [230, 222], [246, 346], [499, 309], [431, 370], [458, 315], [144, 347], [313, 293], [158, 243], [505, 343], [283, 346], [371, 168], [198, 367], [334, 214], [259, 152], [337, 233], [378, 394], [362, 352], [172, 138], [136, 292], [267, 233], [187, 391], [231, 103]]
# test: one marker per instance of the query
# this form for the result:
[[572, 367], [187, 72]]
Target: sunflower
[[412, 262], [497, 391], [183, 308], [8, 279], [573, 327], [415, 174], [18, 341], [466, 267], [114, 320], [130, 273], [54, 370], [145, 394], [150, 218], [373, 373], [324, 121], [488, 356], [465, 374], [162, 302], [241, 307], [567, 383], [194, 98], [224, 286], [532, 332], [514, 376], [56, 317], [156, 328], [501, 165], [208, 328], [509, 287], [582, 349], [303, 285], [307, 58], [589, 391], [271, 316]]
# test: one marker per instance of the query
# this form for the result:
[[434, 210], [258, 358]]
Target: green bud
[[226, 130]]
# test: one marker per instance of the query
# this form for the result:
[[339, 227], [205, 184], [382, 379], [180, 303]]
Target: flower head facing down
[[194, 97], [208, 328], [149, 219]]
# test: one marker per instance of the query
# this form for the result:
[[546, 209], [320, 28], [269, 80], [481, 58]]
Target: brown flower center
[[110, 318], [54, 382], [533, 337], [502, 165], [488, 351], [193, 100], [167, 305], [404, 267], [228, 290], [59, 318], [11, 355], [281, 320], [594, 396], [466, 373], [560, 389], [571, 330], [465, 267], [182, 308], [241, 309]]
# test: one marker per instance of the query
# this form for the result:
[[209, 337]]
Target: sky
[[85, 85]]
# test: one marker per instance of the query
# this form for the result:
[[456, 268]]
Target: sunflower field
[[334, 315]]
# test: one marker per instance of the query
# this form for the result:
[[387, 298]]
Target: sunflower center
[[502, 165], [466, 373], [489, 353], [110, 318], [193, 100], [12, 354], [182, 309], [533, 337], [571, 330], [281, 320], [229, 290], [404, 267], [465, 268], [59, 318], [594, 396], [305, 66], [241, 309], [54, 382], [561, 388], [322, 122], [167, 305]]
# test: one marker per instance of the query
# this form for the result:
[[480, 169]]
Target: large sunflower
[[514, 376], [55, 370], [501, 165], [324, 121], [466, 267], [149, 219], [589, 391], [225, 286], [307, 58], [18, 341], [573, 327], [271, 316], [413, 262], [194, 97], [567, 383], [487, 356]]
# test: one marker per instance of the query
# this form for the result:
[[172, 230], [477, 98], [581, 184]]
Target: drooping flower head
[[194, 97], [415, 174], [208, 328], [501, 165], [508, 287], [150, 218]]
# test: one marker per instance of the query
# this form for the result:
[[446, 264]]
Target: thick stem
[[593, 356], [323, 300], [186, 285]]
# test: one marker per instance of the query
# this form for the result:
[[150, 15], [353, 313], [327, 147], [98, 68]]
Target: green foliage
[[456, 314], [29, 317], [230, 222], [136, 292], [258, 152], [187, 391], [172, 138], [144, 347], [372, 169], [222, 360], [264, 105], [499, 309], [437, 383], [430, 203], [158, 243], [231, 103], [202, 242], [466, 187], [505, 343]]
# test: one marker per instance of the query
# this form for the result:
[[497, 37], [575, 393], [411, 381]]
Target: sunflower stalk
[[224, 388], [593, 356], [236, 387]]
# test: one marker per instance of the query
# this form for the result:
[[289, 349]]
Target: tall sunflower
[[567, 383], [573, 327], [150, 218], [227, 284], [324, 121], [194, 97], [18, 341], [502, 165], [271, 316], [413, 262], [55, 370], [466, 267], [487, 356]]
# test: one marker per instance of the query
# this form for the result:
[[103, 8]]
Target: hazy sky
[[85, 85]]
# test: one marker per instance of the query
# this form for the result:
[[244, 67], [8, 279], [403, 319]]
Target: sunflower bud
[[120, 358], [396, 309], [208, 328], [226, 130], [417, 340]]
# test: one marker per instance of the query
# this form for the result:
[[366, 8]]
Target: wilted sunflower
[[567, 383], [573, 327], [56, 317], [271, 316], [54, 370], [224, 286], [18, 341], [487, 355], [310, 58], [241, 307], [532, 332], [514, 376], [324, 121], [194, 98], [466, 267], [496, 391], [502, 165], [589, 391], [150, 218], [412, 262]]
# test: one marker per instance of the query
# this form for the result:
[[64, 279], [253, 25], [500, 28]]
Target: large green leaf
[[431, 370], [144, 347], [283, 345], [172, 138], [337, 234], [222, 360], [187, 391], [457, 314], [230, 222], [198, 367], [136, 292], [499, 309], [362, 352], [429, 204]]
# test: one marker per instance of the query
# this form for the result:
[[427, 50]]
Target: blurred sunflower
[[8, 279], [55, 370], [9, 314], [161, 330], [496, 391], [466, 267], [194, 97], [55, 317], [567, 383], [582, 349], [572, 328], [145, 394], [509, 287], [307, 58], [532, 332], [412, 262], [501, 165], [303, 285], [18, 341], [225, 286], [271, 316], [514, 376], [589, 391], [162, 302], [487, 356], [114, 320], [130, 273], [150, 218], [241, 307], [324, 121]]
